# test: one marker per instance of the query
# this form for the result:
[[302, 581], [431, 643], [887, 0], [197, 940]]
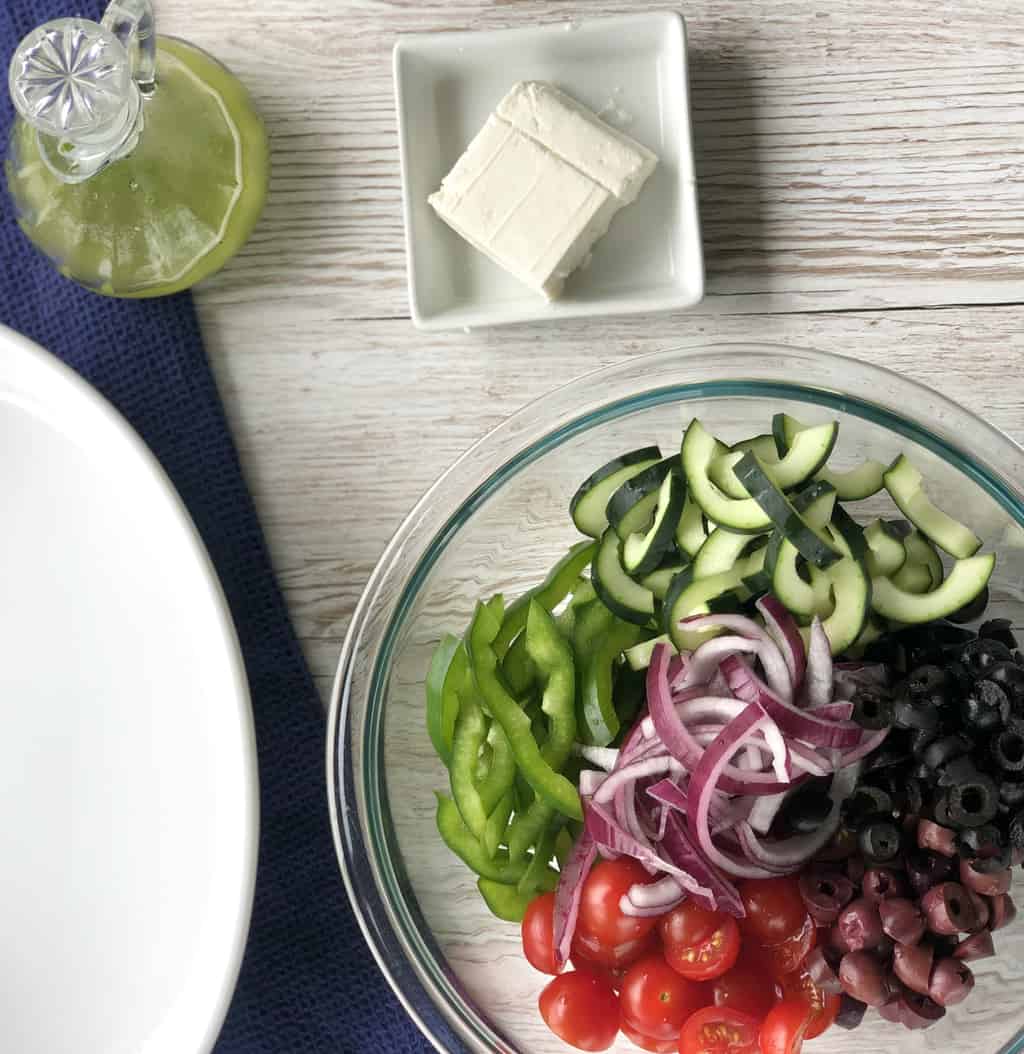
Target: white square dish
[[631, 71]]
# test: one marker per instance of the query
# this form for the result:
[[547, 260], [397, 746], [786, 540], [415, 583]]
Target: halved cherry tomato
[[784, 1029], [775, 909], [645, 1042], [719, 1030], [600, 916], [616, 956], [581, 1008], [538, 931], [745, 987], [782, 959], [823, 1006], [655, 1000], [709, 958], [688, 924]]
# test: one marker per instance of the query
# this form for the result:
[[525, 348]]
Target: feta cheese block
[[539, 185]]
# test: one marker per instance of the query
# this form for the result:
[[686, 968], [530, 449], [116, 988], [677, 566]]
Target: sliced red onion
[[833, 711], [751, 638], [590, 780], [603, 757], [818, 677], [568, 894], [764, 810], [800, 724], [704, 780], [849, 677], [679, 848], [655, 898], [677, 667], [631, 773], [807, 759], [782, 628], [868, 744]]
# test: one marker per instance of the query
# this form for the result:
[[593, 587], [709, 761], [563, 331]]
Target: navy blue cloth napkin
[[308, 984]]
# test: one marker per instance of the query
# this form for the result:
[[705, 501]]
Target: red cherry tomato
[[600, 916], [709, 958], [784, 1028], [775, 909], [617, 956], [746, 987], [644, 1042], [688, 925], [581, 1009], [782, 959], [655, 1000], [719, 1030], [539, 933], [609, 973], [823, 1006]]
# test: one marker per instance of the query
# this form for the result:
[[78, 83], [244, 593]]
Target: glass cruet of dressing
[[137, 163]]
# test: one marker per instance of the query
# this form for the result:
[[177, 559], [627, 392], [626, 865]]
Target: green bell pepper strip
[[595, 707], [552, 591], [547, 783], [459, 839], [517, 669], [527, 828], [506, 902], [553, 659], [494, 783], [564, 843], [537, 869], [449, 667], [470, 736], [497, 824]]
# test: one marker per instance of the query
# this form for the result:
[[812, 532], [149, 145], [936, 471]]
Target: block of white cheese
[[539, 185]]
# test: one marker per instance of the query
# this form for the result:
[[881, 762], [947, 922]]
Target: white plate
[[128, 812], [630, 69]]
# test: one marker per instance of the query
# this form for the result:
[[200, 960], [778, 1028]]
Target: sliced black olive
[[960, 678], [1011, 794], [1010, 677], [1007, 749], [1016, 831], [973, 802], [981, 654], [999, 629], [887, 755], [872, 708], [959, 770], [880, 839], [986, 708], [867, 800], [926, 686], [920, 740], [985, 843], [924, 717], [805, 809], [943, 750], [972, 610]]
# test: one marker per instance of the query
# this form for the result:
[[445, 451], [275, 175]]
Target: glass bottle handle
[[133, 23]]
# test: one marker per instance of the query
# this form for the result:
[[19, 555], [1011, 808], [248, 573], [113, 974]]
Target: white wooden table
[[861, 169]]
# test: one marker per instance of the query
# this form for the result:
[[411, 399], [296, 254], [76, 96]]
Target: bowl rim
[[342, 808]]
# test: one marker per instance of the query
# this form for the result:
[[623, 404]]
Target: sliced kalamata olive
[[851, 1012], [880, 883], [1002, 911], [952, 982], [913, 965], [935, 837], [821, 971], [902, 919], [825, 894], [984, 843], [977, 946], [925, 869], [860, 925], [982, 911], [891, 1011], [864, 977], [837, 941], [918, 1011], [949, 909], [991, 884]]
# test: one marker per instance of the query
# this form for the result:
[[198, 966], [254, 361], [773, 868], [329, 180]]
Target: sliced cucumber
[[721, 550], [699, 450], [921, 552], [967, 578], [617, 591], [692, 530], [855, 484], [763, 446], [639, 656], [643, 551], [658, 581], [590, 501], [904, 483], [913, 578], [849, 585], [809, 541], [816, 503], [808, 452], [874, 629], [886, 551], [631, 507], [784, 430]]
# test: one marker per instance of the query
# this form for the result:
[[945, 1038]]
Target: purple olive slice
[[949, 909], [902, 920], [952, 982], [825, 894], [977, 946], [912, 964]]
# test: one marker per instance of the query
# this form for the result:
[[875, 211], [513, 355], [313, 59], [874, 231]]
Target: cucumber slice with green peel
[[913, 578], [809, 541], [692, 529], [588, 504], [904, 483], [622, 595], [784, 431], [850, 587], [855, 484], [639, 656], [658, 581], [966, 579], [800, 596], [886, 551], [808, 453], [699, 450], [631, 508], [763, 446], [643, 551], [721, 550], [874, 629], [921, 552]]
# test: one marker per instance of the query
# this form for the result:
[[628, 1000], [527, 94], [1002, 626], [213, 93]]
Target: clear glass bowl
[[494, 523]]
